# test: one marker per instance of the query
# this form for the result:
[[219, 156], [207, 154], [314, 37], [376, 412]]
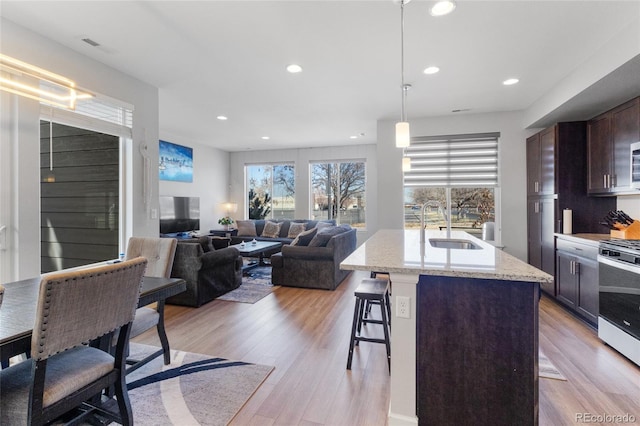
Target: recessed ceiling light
[[431, 70], [294, 68], [266, 138], [510, 81], [221, 117], [442, 7], [353, 137]]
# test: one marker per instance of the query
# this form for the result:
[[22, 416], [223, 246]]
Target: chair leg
[[124, 404], [383, 311], [354, 326], [387, 300], [164, 341]]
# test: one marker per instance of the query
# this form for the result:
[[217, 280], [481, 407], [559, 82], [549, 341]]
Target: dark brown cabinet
[[477, 351], [609, 137], [541, 214], [556, 159], [577, 277], [541, 163]]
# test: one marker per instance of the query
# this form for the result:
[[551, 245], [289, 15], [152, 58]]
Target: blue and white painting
[[176, 162]]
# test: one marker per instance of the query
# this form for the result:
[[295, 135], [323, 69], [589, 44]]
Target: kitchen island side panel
[[477, 351]]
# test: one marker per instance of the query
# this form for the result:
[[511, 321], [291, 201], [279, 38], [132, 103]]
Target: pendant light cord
[[51, 140], [404, 89]]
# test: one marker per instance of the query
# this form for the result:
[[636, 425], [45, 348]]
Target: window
[[271, 191], [79, 196], [457, 174], [338, 192], [82, 193]]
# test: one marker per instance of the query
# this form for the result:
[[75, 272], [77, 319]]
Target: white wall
[[301, 158], [210, 177], [630, 204], [20, 142], [512, 157]]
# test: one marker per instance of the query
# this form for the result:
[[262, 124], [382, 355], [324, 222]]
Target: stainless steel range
[[619, 318]]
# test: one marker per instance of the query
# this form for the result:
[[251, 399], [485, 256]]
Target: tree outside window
[[470, 207], [271, 191], [338, 192]]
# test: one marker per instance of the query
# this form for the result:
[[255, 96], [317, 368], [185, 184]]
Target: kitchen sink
[[449, 243]]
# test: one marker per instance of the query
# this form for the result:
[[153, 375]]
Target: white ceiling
[[211, 58]]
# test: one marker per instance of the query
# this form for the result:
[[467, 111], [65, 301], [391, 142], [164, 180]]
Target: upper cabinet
[[609, 137], [541, 163]]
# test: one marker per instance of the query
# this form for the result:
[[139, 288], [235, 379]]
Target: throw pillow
[[246, 228], [323, 225], [320, 240], [271, 229], [304, 238], [296, 228]]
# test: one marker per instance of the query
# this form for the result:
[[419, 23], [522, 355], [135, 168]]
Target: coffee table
[[256, 250]]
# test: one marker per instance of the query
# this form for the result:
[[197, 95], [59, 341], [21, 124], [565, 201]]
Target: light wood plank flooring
[[305, 335]]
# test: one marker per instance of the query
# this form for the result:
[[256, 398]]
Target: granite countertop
[[400, 251]]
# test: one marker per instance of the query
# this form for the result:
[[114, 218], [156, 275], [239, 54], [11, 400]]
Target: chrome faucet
[[423, 220]]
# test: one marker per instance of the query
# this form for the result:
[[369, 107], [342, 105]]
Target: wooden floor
[[305, 335]]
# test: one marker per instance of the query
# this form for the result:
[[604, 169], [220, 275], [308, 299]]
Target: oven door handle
[[620, 265]]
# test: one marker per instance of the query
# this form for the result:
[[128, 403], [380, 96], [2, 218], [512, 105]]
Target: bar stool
[[374, 274], [370, 290]]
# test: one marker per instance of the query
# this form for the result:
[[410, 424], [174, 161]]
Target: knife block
[[631, 232]]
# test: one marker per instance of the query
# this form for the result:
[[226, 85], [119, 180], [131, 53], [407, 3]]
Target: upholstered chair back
[[159, 253], [79, 306]]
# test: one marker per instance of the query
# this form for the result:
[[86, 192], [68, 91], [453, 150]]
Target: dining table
[[18, 310]]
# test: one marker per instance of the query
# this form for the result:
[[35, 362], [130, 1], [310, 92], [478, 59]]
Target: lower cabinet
[[577, 277], [477, 351]]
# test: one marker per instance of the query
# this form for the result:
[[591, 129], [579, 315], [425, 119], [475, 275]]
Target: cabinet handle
[[604, 181], [572, 268], [536, 207], [536, 186], [576, 268], [614, 181]]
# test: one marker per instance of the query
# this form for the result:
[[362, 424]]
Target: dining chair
[[159, 253], [1, 293], [64, 373]]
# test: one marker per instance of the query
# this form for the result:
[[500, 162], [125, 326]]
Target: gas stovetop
[[627, 244], [626, 251]]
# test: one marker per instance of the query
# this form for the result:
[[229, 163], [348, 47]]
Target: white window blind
[[99, 113], [453, 161]]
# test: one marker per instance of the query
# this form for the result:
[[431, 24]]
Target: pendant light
[[403, 134]]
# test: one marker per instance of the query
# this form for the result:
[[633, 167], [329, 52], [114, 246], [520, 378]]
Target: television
[[179, 214]]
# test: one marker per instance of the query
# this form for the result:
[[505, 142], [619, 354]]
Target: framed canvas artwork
[[176, 162]]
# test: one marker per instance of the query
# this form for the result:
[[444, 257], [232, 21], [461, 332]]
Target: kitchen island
[[468, 353]]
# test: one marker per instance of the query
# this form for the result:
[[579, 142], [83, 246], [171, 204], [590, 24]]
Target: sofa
[[209, 271], [317, 264], [245, 232]]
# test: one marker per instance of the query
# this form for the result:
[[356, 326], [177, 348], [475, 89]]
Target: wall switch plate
[[154, 213], [403, 307]]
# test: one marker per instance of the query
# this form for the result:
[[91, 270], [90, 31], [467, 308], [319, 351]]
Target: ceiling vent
[[90, 42]]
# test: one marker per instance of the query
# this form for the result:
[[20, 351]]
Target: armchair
[[209, 272]]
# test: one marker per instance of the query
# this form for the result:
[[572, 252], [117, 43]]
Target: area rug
[[194, 389], [547, 370], [256, 284]]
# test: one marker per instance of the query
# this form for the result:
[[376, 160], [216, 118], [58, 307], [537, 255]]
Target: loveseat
[[316, 264], [209, 271]]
